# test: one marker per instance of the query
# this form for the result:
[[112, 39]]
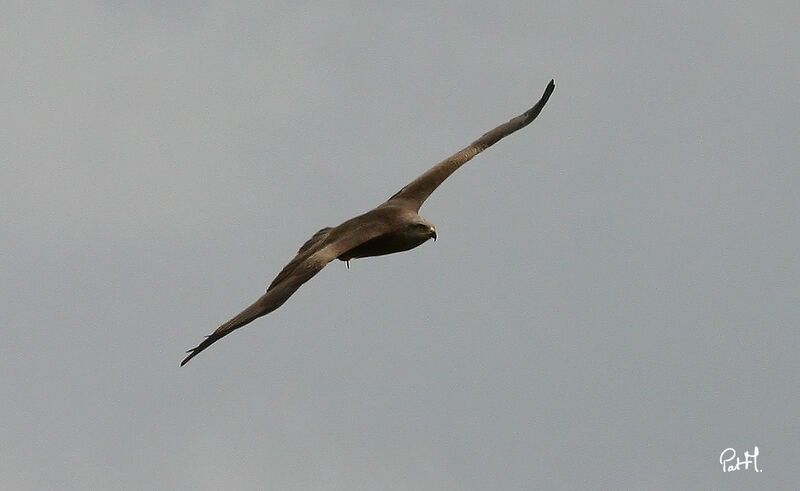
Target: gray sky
[[613, 299]]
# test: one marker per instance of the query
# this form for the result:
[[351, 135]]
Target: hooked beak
[[433, 234]]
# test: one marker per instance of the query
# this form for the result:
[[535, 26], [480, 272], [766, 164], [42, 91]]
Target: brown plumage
[[393, 226]]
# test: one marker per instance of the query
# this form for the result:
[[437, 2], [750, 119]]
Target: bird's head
[[422, 229]]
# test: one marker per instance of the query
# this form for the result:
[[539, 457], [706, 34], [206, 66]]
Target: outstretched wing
[[418, 190], [325, 246]]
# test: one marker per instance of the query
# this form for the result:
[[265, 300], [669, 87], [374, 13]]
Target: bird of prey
[[393, 226]]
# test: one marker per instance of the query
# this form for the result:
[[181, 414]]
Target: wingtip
[[192, 353], [208, 341]]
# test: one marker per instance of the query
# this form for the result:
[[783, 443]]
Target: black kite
[[394, 226]]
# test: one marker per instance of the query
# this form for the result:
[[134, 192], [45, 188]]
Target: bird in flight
[[393, 226]]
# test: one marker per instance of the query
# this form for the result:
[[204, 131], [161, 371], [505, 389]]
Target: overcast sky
[[613, 300]]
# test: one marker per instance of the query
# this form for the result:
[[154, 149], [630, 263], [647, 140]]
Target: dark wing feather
[[311, 246], [321, 233], [418, 190], [325, 246]]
